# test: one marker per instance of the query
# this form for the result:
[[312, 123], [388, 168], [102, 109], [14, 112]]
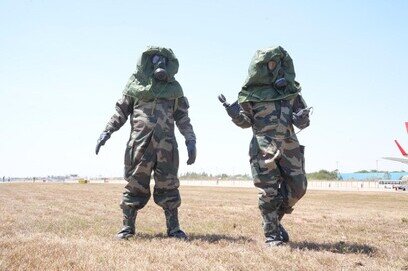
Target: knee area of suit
[[271, 205]]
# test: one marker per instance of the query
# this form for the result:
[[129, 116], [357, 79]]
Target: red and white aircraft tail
[[403, 152]]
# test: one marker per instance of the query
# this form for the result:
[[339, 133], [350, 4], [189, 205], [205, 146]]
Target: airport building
[[373, 176]]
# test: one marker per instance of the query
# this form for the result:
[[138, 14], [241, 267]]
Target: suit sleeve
[[244, 119], [123, 107], [182, 119]]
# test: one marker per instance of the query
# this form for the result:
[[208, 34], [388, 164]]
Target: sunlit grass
[[73, 227]]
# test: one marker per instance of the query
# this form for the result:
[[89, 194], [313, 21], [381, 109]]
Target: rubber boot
[[129, 218], [274, 240], [270, 225], [282, 230], [173, 226]]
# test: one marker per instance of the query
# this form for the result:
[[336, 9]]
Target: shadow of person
[[214, 238], [338, 247], [209, 238]]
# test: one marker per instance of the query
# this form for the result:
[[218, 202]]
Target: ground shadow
[[339, 247], [213, 238], [209, 238]]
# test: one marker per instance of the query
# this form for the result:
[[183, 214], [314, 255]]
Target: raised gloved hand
[[101, 141], [232, 109], [192, 151], [301, 118]]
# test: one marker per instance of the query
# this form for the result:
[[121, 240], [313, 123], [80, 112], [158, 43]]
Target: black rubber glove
[[301, 118], [101, 141], [192, 151], [233, 109]]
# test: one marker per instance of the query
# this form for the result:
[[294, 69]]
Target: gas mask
[[280, 83], [159, 64]]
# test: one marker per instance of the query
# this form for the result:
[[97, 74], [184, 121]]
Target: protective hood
[[260, 84], [143, 86]]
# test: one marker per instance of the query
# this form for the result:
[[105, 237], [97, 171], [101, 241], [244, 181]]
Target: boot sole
[[126, 237]]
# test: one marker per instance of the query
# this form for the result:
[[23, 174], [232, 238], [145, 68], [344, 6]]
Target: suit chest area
[[272, 115], [155, 111]]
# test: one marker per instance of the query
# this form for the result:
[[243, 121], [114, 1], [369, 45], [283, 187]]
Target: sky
[[64, 64]]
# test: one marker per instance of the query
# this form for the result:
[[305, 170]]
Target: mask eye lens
[[155, 59], [271, 65]]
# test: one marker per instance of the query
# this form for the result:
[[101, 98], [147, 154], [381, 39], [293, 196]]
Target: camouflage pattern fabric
[[277, 159], [152, 147]]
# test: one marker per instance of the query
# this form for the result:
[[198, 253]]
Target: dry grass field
[[73, 227]]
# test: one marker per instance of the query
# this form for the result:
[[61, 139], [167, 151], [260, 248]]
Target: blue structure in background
[[370, 176], [397, 175]]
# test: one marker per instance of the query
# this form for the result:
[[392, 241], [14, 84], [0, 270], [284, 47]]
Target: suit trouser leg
[[166, 189], [266, 176]]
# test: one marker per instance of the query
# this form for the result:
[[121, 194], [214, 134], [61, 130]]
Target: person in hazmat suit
[[154, 100], [270, 103]]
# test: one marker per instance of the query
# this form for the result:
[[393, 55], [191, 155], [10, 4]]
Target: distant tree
[[323, 175], [362, 171]]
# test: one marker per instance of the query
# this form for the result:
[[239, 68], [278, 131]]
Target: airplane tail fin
[[406, 126], [401, 149]]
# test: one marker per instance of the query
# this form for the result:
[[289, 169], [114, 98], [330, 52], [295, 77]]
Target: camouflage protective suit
[[153, 109], [276, 158]]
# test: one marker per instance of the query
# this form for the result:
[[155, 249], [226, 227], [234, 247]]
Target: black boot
[[173, 226], [129, 217], [270, 225], [282, 231], [274, 240]]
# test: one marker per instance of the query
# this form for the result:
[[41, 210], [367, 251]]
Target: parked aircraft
[[403, 152]]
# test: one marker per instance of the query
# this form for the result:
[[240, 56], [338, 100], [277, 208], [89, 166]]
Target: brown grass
[[73, 227]]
